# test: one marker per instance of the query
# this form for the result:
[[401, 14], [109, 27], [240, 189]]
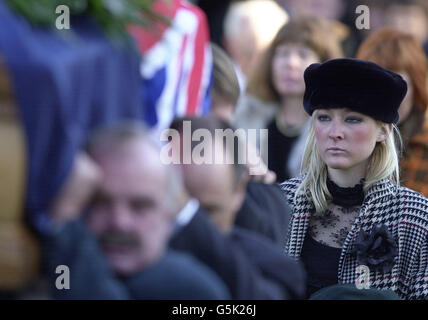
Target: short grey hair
[[116, 135]]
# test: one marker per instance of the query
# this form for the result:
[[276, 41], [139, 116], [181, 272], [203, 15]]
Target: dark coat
[[250, 266], [265, 211], [272, 261]]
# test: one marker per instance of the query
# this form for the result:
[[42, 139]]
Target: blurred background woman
[[401, 52]]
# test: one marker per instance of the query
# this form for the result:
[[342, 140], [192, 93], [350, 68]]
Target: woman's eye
[[353, 120], [323, 118]]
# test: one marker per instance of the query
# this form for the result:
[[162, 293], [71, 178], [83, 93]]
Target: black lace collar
[[346, 197]]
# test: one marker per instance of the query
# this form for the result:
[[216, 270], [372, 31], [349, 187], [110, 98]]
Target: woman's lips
[[334, 149]]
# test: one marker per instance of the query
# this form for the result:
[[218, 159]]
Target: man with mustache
[[130, 213]]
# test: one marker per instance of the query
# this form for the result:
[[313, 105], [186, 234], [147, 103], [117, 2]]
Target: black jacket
[[272, 261], [265, 211], [248, 272]]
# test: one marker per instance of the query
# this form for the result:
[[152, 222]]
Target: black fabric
[[174, 276], [279, 148], [273, 262], [359, 85], [90, 277], [265, 211], [215, 12], [346, 197], [201, 239], [321, 264], [243, 271]]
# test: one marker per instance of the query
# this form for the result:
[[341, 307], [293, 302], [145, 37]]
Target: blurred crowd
[[96, 196]]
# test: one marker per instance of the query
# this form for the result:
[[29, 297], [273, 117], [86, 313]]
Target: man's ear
[[385, 131]]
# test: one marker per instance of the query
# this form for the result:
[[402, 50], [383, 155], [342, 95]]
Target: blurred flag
[[65, 84], [176, 66]]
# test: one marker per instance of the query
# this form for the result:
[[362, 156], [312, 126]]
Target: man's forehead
[[144, 174], [141, 156], [128, 192], [135, 147], [206, 179]]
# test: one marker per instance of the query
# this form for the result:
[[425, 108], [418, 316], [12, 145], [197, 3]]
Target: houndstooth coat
[[403, 211]]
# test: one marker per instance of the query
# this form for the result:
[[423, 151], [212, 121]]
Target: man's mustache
[[117, 238]]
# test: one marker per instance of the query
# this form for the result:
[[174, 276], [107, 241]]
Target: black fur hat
[[359, 85]]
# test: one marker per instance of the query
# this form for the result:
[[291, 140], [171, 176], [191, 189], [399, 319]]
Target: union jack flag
[[176, 66]]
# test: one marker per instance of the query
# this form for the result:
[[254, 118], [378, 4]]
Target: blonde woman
[[351, 219]]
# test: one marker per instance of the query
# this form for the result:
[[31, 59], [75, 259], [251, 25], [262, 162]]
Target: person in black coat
[[244, 278], [209, 231], [265, 211]]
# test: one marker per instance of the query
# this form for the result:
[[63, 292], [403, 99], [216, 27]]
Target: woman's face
[[407, 104], [346, 139], [288, 65]]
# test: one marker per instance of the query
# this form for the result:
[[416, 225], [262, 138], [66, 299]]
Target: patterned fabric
[[403, 211], [332, 226], [176, 66], [414, 165]]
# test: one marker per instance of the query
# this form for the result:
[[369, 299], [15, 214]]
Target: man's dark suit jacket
[[265, 211], [272, 261], [251, 266]]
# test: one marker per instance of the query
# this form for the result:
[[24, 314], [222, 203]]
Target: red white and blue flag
[[176, 66]]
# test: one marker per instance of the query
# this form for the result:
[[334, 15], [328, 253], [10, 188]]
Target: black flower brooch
[[376, 249]]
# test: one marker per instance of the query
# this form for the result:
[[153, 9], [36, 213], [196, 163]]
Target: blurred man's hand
[[258, 165], [77, 190], [269, 177]]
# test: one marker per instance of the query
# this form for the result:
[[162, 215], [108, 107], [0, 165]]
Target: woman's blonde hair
[[383, 164]]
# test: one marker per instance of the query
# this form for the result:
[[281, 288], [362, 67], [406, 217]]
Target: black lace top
[[320, 260]]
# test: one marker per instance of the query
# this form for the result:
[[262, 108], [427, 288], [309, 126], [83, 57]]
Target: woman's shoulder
[[411, 204], [253, 113], [257, 104], [413, 199], [292, 184], [289, 187]]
